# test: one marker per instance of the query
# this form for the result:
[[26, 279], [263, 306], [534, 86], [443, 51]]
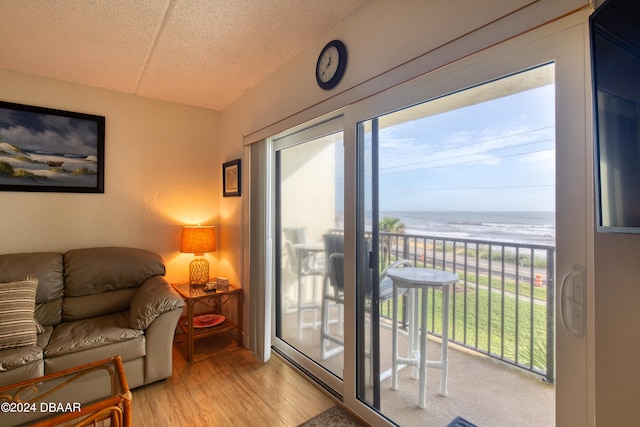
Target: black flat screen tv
[[615, 59]]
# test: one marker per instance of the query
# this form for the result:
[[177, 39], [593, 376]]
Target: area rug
[[332, 417], [461, 422]]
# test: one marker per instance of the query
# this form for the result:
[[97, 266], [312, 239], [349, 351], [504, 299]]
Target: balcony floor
[[481, 389]]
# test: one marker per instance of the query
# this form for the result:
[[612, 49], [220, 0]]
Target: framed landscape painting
[[43, 149]]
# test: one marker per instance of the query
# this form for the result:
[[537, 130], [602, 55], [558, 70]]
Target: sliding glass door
[[443, 183], [478, 169], [310, 249]]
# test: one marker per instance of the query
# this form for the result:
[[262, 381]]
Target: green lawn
[[539, 293], [491, 338], [496, 331]]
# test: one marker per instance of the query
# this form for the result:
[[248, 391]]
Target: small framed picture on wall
[[231, 183]]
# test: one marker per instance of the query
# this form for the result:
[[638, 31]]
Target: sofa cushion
[[128, 350], [70, 337], [16, 357], [28, 360], [84, 307], [21, 373], [47, 267], [96, 270], [17, 306], [44, 336], [49, 313]]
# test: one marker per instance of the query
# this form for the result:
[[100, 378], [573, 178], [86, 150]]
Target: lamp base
[[199, 271]]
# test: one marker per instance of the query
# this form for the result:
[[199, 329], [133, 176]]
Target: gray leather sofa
[[91, 304]]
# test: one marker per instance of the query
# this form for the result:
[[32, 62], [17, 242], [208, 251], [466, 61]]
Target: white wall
[[388, 43], [155, 182], [617, 302], [617, 297], [380, 37], [161, 171]]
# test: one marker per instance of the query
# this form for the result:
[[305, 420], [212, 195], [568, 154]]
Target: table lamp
[[198, 240]]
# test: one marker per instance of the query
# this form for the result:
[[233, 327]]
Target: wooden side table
[[194, 294]]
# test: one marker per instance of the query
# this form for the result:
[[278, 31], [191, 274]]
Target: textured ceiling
[[205, 53]]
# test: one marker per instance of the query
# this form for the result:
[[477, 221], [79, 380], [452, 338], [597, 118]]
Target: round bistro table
[[414, 279]]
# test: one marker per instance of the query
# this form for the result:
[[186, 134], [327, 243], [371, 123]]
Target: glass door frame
[[563, 42], [559, 43], [300, 135]]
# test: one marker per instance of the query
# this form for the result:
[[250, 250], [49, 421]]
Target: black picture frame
[[49, 150], [231, 179]]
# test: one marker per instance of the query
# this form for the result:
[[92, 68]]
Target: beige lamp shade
[[198, 240]]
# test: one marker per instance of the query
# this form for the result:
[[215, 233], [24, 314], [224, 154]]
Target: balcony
[[501, 336], [503, 304]]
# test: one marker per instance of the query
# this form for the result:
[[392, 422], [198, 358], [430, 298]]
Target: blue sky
[[493, 156], [48, 132]]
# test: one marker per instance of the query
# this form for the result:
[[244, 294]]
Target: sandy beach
[[33, 168]]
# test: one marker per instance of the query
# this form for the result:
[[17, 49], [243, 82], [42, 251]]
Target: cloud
[[45, 132], [486, 147], [542, 160]]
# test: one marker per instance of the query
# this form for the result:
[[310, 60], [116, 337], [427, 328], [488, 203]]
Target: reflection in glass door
[[310, 250], [466, 184]]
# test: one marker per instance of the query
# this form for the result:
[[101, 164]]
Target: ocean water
[[520, 227]]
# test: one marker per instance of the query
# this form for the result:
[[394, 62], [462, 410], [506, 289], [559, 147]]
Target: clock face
[[331, 64]]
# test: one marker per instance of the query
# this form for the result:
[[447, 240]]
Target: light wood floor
[[226, 386]]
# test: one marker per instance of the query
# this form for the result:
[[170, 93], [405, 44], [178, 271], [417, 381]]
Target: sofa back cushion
[[48, 268], [99, 281]]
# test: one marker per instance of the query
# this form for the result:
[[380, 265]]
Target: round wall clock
[[331, 64]]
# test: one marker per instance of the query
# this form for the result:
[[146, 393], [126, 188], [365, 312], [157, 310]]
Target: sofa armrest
[[158, 363], [154, 298]]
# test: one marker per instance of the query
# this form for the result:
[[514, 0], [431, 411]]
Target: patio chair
[[303, 258], [305, 261], [333, 294]]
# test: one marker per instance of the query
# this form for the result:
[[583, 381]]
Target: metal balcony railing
[[503, 305]]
